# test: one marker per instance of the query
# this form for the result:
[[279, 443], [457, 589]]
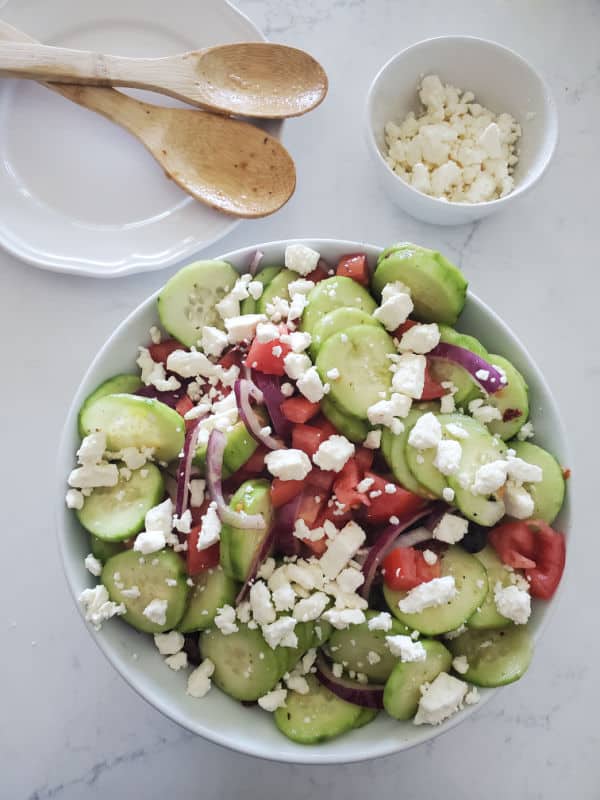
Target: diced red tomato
[[406, 326], [432, 389], [334, 514], [299, 409], [321, 480], [537, 548], [261, 356], [401, 503], [345, 484], [317, 548], [284, 491], [256, 462], [160, 352], [309, 437], [318, 274], [310, 508], [355, 266], [235, 355], [405, 568], [184, 404], [364, 458], [200, 560]]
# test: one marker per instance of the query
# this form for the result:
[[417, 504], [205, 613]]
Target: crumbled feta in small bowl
[[442, 156]]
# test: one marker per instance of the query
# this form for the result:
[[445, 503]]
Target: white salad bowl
[[501, 80], [216, 716]]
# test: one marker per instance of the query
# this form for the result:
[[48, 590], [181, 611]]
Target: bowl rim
[[158, 699], [530, 179]]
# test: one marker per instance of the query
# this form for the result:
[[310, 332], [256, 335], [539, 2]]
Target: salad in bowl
[[318, 495]]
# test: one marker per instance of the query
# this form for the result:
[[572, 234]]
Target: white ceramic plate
[[78, 193], [218, 717]]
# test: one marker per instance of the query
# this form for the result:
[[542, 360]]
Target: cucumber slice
[[337, 321], [131, 421], [276, 287], [104, 550], [212, 590], [480, 447], [438, 288], [495, 657], [468, 388], [123, 571], [366, 715], [394, 449], [360, 356], [265, 276], [353, 645], [317, 716], [549, 494], [514, 399], [471, 583], [487, 615], [116, 513], [332, 293], [403, 687], [238, 545], [245, 666], [349, 426], [239, 447], [118, 384], [188, 299]]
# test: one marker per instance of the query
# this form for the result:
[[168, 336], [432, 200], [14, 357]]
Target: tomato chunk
[[299, 409], [200, 560], [365, 458], [309, 437], [537, 548], [268, 356], [160, 352], [345, 485], [355, 266], [432, 389], [405, 326], [318, 274], [399, 503], [256, 462], [404, 568], [284, 491]]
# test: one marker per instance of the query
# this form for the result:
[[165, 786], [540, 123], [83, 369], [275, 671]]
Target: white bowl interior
[[500, 79], [133, 654]]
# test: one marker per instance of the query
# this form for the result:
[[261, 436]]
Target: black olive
[[475, 539]]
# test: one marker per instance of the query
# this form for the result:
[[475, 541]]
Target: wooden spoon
[[252, 79], [228, 164]]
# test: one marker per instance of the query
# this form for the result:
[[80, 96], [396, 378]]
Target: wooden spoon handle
[[62, 65]]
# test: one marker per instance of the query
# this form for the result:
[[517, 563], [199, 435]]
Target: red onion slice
[[472, 363], [389, 537], [184, 470], [285, 521], [244, 391], [214, 472], [168, 398], [270, 386], [255, 261], [361, 694]]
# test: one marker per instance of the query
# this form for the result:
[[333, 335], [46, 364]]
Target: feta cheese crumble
[[426, 432], [420, 339], [433, 593], [405, 649], [440, 699], [98, 607], [380, 622], [288, 465], [333, 453], [450, 529], [273, 700], [301, 259], [513, 603], [199, 682], [169, 643]]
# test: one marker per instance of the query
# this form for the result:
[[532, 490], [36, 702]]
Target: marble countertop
[[72, 728]]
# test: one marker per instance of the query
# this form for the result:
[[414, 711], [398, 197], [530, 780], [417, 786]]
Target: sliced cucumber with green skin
[[188, 299], [118, 512], [118, 384], [317, 716], [349, 426], [438, 288], [366, 715], [104, 550], [479, 448], [239, 447], [276, 287], [332, 293], [131, 421], [510, 401], [471, 586], [265, 276], [212, 590], [495, 657], [353, 645], [360, 356], [123, 571], [403, 687], [246, 667], [549, 494], [487, 615], [336, 322], [394, 449], [239, 545], [440, 370]]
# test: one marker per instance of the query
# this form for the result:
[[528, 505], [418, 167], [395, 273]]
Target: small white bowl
[[217, 717], [501, 81]]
